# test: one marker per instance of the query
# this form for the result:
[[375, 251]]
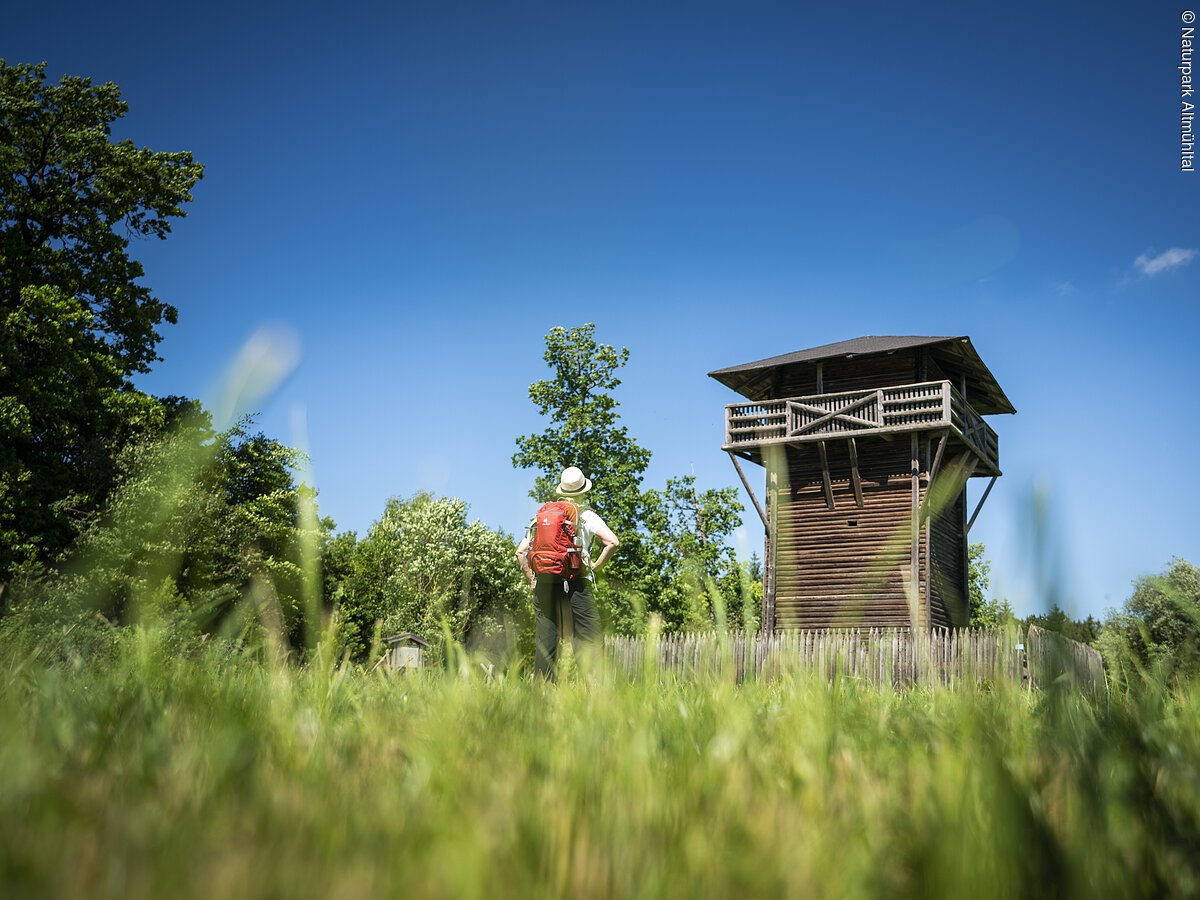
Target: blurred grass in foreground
[[148, 771]]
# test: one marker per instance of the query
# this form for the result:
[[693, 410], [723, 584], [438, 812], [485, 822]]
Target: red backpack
[[554, 550]]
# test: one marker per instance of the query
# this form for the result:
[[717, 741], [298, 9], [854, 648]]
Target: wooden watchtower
[[868, 445]]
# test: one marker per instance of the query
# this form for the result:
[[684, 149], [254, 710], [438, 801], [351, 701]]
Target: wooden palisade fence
[[884, 657]]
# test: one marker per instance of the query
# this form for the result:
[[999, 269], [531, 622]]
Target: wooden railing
[[909, 407]]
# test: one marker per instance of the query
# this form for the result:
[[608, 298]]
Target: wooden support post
[[746, 484], [927, 562], [825, 479], [986, 491], [769, 549], [940, 495], [914, 561], [775, 461], [965, 599], [855, 478]]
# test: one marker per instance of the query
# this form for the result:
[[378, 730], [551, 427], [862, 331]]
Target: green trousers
[[565, 610]]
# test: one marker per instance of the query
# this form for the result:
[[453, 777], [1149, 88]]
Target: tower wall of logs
[[867, 448]]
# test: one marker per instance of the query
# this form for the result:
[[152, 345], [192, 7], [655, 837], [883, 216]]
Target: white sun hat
[[573, 483]]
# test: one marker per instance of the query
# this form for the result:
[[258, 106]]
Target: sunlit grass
[[151, 772]]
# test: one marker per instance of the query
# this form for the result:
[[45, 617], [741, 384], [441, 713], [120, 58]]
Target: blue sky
[[419, 192]]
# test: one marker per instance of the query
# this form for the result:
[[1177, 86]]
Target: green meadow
[[152, 768]]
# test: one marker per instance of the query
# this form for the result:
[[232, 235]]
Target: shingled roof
[[954, 353]]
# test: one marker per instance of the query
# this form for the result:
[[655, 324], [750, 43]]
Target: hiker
[[561, 569]]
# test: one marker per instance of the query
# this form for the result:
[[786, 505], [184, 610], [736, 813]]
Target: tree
[[584, 428], [585, 431], [204, 526], [688, 535], [1159, 625], [985, 612], [77, 322], [423, 567], [672, 541]]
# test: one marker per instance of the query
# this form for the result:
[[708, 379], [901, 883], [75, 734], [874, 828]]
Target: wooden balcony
[[930, 406]]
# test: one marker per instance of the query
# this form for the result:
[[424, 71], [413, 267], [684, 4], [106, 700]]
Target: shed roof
[[954, 353], [407, 636]]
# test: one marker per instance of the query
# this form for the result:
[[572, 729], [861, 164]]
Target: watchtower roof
[[954, 353]]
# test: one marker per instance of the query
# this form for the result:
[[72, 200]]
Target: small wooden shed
[[405, 651], [867, 445]]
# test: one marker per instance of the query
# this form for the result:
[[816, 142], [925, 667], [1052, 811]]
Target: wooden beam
[[825, 479], [746, 484], [961, 467], [937, 459], [979, 506], [855, 478], [914, 560], [776, 465], [769, 550]]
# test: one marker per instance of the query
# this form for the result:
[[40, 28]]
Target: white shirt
[[589, 523]]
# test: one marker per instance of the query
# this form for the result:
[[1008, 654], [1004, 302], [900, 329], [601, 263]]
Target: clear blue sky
[[421, 192]]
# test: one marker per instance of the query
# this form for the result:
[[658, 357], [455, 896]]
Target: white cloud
[[1168, 259], [1066, 289]]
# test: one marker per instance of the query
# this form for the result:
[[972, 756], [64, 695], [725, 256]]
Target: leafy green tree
[[986, 612], [584, 430], [203, 526], [1159, 626], [688, 534], [423, 567], [76, 321], [337, 561]]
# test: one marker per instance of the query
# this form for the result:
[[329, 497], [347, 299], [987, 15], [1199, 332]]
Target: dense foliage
[[1158, 629], [424, 568], [201, 523], [76, 321], [699, 579]]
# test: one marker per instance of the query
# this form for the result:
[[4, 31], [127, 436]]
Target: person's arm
[[523, 559], [605, 536]]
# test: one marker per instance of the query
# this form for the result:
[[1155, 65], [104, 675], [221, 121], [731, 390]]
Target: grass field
[[148, 772]]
